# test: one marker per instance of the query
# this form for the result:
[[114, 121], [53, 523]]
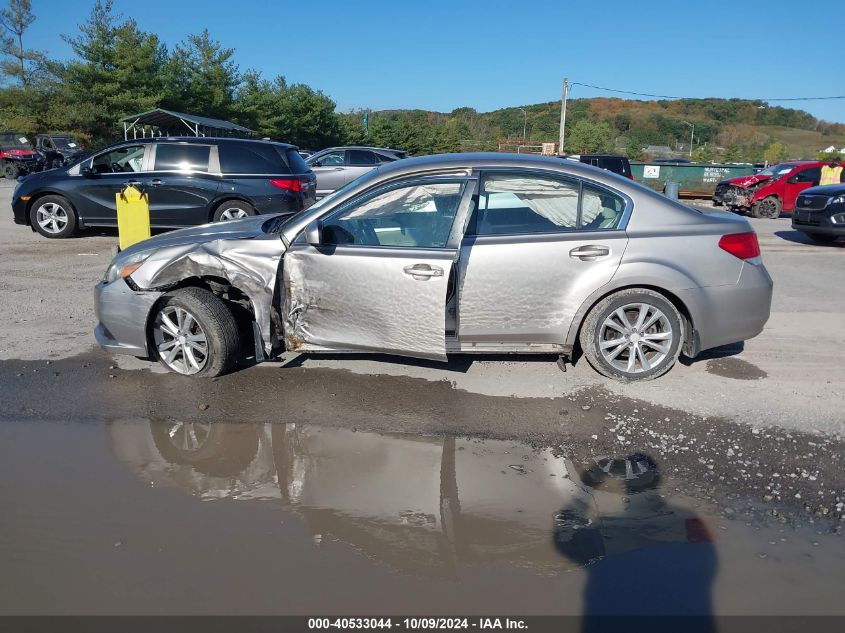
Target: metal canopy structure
[[161, 122]]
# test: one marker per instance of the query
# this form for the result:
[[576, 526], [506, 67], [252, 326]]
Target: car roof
[[199, 139], [378, 149]]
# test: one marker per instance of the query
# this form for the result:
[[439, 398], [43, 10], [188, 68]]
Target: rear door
[[536, 247], [182, 183], [111, 172], [329, 170], [379, 279], [802, 178]]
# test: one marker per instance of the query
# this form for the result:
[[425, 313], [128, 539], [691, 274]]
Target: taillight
[[290, 184], [741, 245]]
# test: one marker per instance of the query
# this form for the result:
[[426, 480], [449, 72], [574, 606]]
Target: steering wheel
[[116, 167]]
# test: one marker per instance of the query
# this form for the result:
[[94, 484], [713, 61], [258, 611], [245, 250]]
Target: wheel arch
[[41, 193], [228, 197], [690, 345]]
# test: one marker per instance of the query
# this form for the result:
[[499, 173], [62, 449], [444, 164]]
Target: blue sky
[[439, 54]]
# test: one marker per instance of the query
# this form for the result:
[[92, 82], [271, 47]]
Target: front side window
[[181, 157], [812, 175], [416, 215], [120, 160], [512, 204], [332, 159]]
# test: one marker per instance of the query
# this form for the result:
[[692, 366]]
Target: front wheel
[[11, 171], [767, 208], [632, 335], [194, 333], [53, 217]]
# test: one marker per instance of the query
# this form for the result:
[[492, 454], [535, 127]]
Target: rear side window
[[360, 157], [295, 160], [181, 157], [386, 158], [512, 204], [252, 158]]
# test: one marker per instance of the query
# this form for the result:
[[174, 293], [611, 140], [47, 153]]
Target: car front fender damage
[[250, 265]]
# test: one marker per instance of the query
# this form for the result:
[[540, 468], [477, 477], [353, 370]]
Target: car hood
[[825, 190], [243, 229], [746, 181]]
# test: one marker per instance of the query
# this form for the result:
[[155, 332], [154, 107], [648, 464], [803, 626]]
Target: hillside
[[725, 129]]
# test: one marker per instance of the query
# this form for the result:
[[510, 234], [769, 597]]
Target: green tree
[[587, 137], [15, 20], [774, 153], [202, 77], [704, 154]]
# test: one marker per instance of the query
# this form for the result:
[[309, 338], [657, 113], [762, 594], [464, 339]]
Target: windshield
[[14, 141], [777, 171], [65, 142]]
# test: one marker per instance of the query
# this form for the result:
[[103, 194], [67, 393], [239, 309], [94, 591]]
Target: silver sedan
[[440, 255]]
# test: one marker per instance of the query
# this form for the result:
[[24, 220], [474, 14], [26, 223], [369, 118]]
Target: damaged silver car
[[452, 254]]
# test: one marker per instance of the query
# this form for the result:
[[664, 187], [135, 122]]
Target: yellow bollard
[[133, 216]]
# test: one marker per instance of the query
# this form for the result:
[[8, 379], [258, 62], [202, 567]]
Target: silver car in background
[[338, 166], [439, 255]]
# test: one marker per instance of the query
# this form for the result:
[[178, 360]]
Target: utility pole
[[524, 123], [563, 117], [691, 136]]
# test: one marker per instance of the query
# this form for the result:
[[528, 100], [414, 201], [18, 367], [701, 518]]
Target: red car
[[771, 191]]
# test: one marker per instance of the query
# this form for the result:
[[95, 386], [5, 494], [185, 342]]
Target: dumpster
[[696, 180]]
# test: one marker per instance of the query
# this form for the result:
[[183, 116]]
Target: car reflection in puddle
[[430, 504]]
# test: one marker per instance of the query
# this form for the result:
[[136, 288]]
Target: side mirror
[[312, 233], [316, 163], [792, 180]]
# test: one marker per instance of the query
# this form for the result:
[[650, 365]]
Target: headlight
[[123, 267], [838, 200]]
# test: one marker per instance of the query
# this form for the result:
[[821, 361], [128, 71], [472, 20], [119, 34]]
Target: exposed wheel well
[[689, 345]]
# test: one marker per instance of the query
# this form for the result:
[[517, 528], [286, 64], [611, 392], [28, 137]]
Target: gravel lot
[[789, 376]]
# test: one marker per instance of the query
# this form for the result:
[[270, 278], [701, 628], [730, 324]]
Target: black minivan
[[189, 181]]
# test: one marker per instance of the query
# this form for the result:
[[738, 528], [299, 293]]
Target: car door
[[378, 277], [802, 178], [329, 170], [105, 175], [182, 184], [536, 247]]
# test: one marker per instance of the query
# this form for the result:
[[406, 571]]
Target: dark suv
[[819, 213], [189, 181], [57, 149], [617, 164]]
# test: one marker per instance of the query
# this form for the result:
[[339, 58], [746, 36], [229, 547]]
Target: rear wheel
[[767, 208], [194, 333], [822, 238], [233, 210], [53, 217], [633, 334]]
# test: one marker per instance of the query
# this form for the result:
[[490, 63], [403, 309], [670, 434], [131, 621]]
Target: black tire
[[769, 207], [235, 208], [11, 171], [64, 220], [216, 324], [594, 332], [821, 238]]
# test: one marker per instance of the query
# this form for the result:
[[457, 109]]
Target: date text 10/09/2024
[[413, 624]]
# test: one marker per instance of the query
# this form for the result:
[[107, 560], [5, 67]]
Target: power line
[[646, 94]]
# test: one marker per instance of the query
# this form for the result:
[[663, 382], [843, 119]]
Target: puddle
[[735, 368], [213, 517]]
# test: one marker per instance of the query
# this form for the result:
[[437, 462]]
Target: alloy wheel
[[635, 338], [51, 217], [189, 436], [233, 213], [180, 340]]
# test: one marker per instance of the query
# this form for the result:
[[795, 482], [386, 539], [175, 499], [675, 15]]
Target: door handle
[[589, 253], [132, 183], [156, 182], [422, 272]]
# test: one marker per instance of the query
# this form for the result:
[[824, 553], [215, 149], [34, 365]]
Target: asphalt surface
[[370, 484]]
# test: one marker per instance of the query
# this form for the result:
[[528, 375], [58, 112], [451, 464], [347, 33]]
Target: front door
[[537, 246], [798, 182], [111, 172], [378, 280]]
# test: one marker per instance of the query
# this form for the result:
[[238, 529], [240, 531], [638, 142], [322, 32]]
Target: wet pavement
[[252, 494]]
